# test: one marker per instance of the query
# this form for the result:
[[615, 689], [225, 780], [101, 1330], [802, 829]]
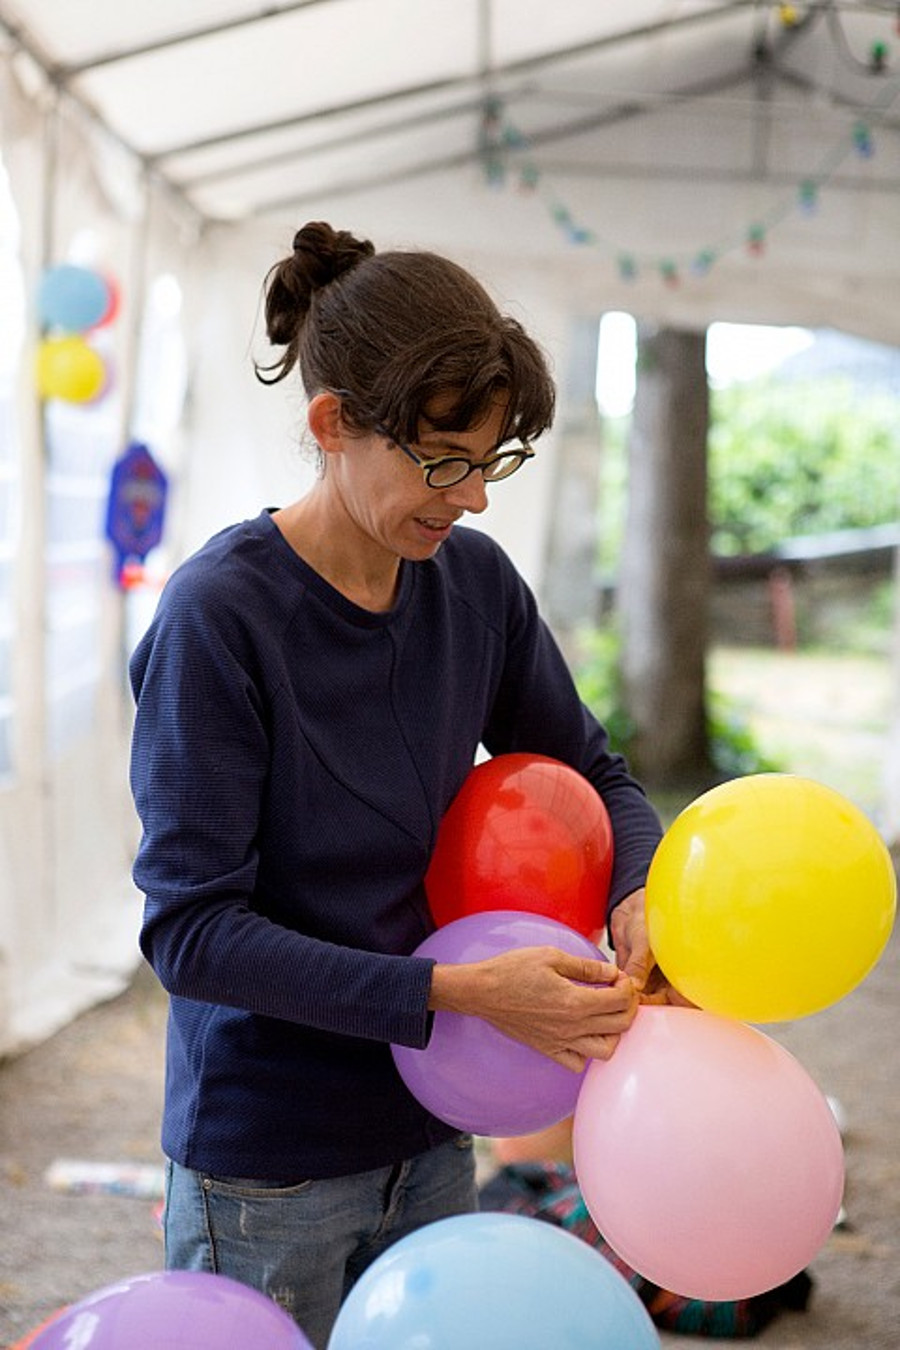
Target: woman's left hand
[[628, 931]]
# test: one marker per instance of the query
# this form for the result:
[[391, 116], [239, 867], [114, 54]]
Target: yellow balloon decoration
[[70, 369], [770, 898]]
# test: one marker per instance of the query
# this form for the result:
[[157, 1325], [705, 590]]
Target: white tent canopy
[[690, 159]]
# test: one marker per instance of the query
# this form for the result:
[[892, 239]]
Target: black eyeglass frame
[[514, 458]]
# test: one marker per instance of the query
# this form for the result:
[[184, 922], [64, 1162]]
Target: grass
[[822, 715]]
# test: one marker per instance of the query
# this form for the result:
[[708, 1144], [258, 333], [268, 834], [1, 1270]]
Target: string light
[[808, 196], [862, 140], [876, 63], [703, 262], [493, 139], [529, 177], [756, 240], [878, 57], [579, 235], [502, 143]]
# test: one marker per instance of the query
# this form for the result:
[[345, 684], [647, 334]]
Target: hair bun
[[321, 254]]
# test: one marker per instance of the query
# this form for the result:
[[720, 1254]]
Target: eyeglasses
[[447, 470]]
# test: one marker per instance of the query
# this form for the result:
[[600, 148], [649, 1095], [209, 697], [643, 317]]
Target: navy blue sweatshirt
[[293, 755]]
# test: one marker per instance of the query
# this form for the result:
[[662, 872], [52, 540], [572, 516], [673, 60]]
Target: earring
[[319, 462]]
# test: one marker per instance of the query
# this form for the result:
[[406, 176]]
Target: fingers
[[570, 1008], [638, 966], [595, 1047], [583, 969], [628, 929], [658, 999], [570, 1059], [605, 1047], [667, 997]]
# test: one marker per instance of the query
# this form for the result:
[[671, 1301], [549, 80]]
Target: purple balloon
[[472, 1075], [178, 1309]]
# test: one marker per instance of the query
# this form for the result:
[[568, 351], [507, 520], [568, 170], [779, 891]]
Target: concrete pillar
[[569, 590]]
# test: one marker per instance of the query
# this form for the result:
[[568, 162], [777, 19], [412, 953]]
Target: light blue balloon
[[72, 298], [492, 1282]]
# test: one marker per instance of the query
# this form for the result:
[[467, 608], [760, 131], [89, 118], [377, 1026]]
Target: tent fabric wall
[[68, 910]]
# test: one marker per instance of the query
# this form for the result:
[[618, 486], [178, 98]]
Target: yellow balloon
[[70, 369], [770, 898]]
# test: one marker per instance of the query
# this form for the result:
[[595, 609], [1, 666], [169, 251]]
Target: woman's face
[[385, 495]]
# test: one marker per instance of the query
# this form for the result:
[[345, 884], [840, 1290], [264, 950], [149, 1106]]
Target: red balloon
[[113, 303], [524, 832]]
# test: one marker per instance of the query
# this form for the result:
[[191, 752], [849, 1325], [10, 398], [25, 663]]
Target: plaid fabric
[[549, 1191]]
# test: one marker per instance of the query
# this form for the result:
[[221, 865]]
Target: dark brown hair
[[396, 333]]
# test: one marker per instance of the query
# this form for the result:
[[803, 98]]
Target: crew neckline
[[330, 594]]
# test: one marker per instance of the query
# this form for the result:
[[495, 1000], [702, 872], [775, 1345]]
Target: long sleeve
[[200, 772], [537, 708]]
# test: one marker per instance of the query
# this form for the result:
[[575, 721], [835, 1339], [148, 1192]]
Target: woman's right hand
[[570, 1008]]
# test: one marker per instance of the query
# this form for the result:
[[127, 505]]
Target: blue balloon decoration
[[492, 1282], [71, 298]]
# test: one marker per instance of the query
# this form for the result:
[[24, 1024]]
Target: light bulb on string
[[529, 177], [668, 270], [878, 58], [494, 170], [756, 240], [809, 197], [492, 115], [525, 177], [862, 140]]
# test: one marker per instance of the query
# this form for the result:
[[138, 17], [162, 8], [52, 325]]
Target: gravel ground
[[93, 1093]]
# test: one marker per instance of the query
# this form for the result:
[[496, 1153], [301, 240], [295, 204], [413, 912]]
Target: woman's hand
[[570, 1008], [628, 930]]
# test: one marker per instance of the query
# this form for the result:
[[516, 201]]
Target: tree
[[792, 457], [664, 584]]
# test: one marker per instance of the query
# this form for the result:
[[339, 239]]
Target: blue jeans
[[305, 1244]]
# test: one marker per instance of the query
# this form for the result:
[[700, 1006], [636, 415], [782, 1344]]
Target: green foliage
[[732, 745], [791, 458], [785, 458], [880, 609], [599, 682], [613, 492]]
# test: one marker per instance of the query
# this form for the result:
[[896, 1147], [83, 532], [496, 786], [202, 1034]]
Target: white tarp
[[675, 157]]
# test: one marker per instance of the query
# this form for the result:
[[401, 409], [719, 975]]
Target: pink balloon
[[729, 1166], [472, 1075]]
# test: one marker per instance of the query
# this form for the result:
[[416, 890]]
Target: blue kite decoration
[[137, 504]]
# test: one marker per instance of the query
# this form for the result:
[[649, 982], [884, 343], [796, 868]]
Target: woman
[[310, 698]]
